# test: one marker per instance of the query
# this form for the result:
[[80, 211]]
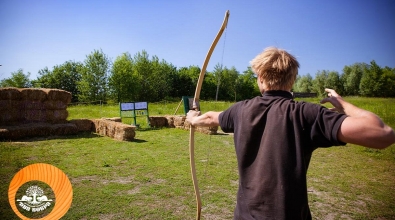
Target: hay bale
[[179, 121], [11, 133], [158, 122], [17, 104], [33, 94], [207, 130], [35, 115], [99, 126], [35, 130], [55, 105], [31, 104], [5, 134], [63, 129], [170, 121], [5, 104], [82, 124], [110, 128], [8, 117], [115, 119], [186, 125], [96, 125], [10, 93], [56, 116], [115, 130], [23, 131], [124, 132], [58, 94]]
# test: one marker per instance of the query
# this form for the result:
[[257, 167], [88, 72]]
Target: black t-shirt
[[274, 139]]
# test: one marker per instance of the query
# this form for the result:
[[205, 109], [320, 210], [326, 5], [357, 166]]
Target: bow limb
[[196, 107]]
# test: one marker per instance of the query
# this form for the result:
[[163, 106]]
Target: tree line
[[144, 78], [359, 79]]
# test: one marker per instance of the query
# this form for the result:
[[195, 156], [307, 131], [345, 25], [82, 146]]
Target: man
[[275, 137]]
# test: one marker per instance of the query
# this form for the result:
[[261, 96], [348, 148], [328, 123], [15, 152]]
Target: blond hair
[[276, 67]]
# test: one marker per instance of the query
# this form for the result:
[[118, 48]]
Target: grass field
[[149, 178]]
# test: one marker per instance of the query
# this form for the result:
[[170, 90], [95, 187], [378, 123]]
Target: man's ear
[[259, 78]]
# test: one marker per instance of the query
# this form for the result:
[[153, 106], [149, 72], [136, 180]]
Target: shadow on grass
[[44, 138], [138, 141], [81, 135], [147, 129]]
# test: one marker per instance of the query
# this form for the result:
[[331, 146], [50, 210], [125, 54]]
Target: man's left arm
[[208, 119]]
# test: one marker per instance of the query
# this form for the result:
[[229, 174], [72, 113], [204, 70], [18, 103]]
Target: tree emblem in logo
[[34, 200]]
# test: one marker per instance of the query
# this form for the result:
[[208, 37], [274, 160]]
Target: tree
[[143, 71], [319, 82], [371, 82], [388, 82], [65, 77], [230, 83], [247, 86], [162, 75], [333, 81], [123, 84], [304, 83], [217, 73], [94, 76], [34, 191], [18, 79], [182, 83], [351, 78]]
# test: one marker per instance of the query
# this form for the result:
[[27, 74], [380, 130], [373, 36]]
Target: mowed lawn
[[149, 178]]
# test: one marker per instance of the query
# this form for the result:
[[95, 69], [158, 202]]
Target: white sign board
[[127, 106], [141, 105]]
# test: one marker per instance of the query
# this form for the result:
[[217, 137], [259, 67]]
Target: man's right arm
[[361, 127]]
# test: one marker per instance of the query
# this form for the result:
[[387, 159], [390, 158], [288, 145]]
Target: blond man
[[275, 137]]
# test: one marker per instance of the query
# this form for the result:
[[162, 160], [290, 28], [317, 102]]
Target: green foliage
[[65, 77], [93, 83], [18, 79], [327, 79], [247, 86], [319, 82], [123, 83], [351, 78], [230, 84], [388, 82], [304, 84], [161, 78], [184, 81], [333, 81], [371, 82], [218, 75], [144, 78]]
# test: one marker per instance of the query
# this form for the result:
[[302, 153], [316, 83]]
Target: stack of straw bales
[[114, 129], [179, 122], [43, 112], [34, 112], [36, 130], [29, 105], [83, 125]]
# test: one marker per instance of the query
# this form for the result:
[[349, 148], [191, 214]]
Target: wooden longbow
[[196, 107]]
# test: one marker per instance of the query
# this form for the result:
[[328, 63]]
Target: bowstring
[[209, 145], [223, 47]]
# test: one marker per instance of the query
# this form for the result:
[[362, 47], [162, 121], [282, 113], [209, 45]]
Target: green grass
[[149, 178]]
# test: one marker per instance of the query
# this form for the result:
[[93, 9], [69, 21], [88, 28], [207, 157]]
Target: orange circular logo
[[34, 198]]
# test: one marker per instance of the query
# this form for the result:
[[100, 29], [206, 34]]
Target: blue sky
[[323, 35]]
